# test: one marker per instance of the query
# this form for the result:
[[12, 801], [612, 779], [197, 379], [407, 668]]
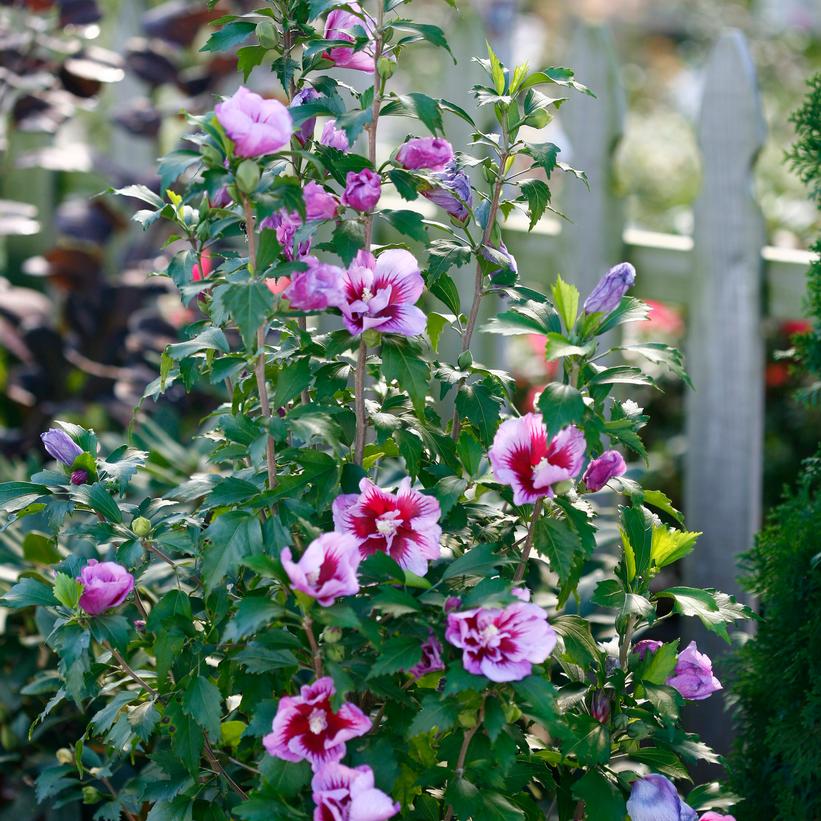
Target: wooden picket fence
[[726, 278]]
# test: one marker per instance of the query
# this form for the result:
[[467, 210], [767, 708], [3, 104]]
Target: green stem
[[520, 570]]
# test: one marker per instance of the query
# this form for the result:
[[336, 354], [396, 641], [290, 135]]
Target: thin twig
[[359, 402], [114, 794], [460, 761], [624, 647], [209, 754], [362, 353], [130, 671], [259, 368], [317, 656], [152, 548], [479, 278], [520, 570]]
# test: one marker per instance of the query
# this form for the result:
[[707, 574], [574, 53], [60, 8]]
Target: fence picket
[[725, 357], [592, 240]]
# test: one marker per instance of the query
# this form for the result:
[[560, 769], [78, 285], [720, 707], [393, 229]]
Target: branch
[[130, 671], [259, 369], [520, 570], [316, 655], [359, 402], [214, 762], [460, 761]]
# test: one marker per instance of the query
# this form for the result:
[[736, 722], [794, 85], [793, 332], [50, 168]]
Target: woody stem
[[520, 570], [259, 367]]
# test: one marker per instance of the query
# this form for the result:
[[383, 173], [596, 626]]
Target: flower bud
[[64, 756], [372, 338], [385, 67], [266, 34], [606, 296], [600, 706], [91, 795], [331, 634], [79, 477], [465, 360], [452, 603], [141, 526], [335, 652], [560, 488], [512, 712], [467, 718], [247, 176], [139, 625], [60, 446], [600, 471]]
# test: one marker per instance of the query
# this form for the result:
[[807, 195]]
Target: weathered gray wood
[[725, 356], [592, 241]]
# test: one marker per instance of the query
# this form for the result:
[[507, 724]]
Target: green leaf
[[402, 361], [480, 404], [186, 738], [537, 195], [202, 701], [579, 643], [536, 697], [140, 192], [590, 742], [396, 654], [230, 35], [480, 560], [268, 251], [348, 238], [662, 761], [566, 300], [555, 540], [252, 613], [410, 448], [544, 156], [637, 530], [210, 339], [434, 713], [39, 548], [292, 380], [249, 58], [432, 34], [658, 666], [232, 536], [602, 798], [249, 305], [561, 405], [28, 593], [22, 494], [669, 545], [660, 501], [715, 610], [67, 591], [445, 290], [408, 223], [99, 499]]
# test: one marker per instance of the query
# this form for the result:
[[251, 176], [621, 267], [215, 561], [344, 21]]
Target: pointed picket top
[[592, 240], [725, 357]]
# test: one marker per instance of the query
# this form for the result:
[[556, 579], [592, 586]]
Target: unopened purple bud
[[79, 477], [509, 261], [606, 296], [305, 131], [139, 625], [600, 706], [600, 471], [60, 446], [452, 192], [452, 603]]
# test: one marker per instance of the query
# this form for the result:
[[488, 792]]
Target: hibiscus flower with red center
[[382, 294], [306, 727], [405, 524], [522, 457]]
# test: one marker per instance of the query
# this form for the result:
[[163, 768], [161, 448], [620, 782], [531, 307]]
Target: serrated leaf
[[67, 591], [556, 540], [201, 700], [435, 712], [537, 195], [402, 361], [232, 536], [248, 304], [561, 405], [396, 654]]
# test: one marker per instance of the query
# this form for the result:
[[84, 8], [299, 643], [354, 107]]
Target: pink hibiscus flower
[[381, 294], [306, 727], [522, 457], [405, 524], [348, 794], [502, 644], [342, 24], [327, 569]]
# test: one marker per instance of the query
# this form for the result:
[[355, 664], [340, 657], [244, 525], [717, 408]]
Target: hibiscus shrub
[[366, 604]]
